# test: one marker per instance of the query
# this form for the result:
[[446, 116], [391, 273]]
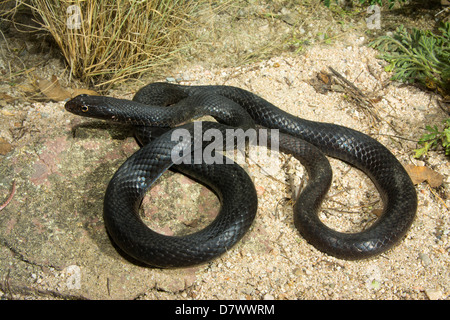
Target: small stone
[[298, 272], [5, 147], [170, 79], [426, 261], [421, 107], [290, 18], [433, 294], [337, 88], [268, 296], [260, 190], [264, 28]]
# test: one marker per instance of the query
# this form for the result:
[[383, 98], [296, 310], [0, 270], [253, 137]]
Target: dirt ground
[[53, 243]]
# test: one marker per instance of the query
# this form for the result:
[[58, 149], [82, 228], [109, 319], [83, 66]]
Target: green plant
[[434, 138], [418, 56], [371, 2], [424, 57]]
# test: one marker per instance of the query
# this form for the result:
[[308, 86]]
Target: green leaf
[[434, 138], [422, 151], [389, 67]]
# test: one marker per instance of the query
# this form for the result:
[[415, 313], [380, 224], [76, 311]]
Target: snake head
[[88, 106], [78, 105]]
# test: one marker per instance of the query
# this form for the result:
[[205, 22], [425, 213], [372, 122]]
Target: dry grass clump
[[108, 41], [6, 7]]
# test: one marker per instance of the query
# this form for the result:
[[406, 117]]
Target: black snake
[[240, 108]]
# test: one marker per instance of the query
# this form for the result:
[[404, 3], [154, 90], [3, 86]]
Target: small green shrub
[[423, 57], [418, 56], [434, 138]]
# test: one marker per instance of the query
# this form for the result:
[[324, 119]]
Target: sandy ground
[[53, 243]]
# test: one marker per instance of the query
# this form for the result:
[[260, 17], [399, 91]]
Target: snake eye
[[84, 108]]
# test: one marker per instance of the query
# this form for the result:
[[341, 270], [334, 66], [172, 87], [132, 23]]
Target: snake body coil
[[238, 107]]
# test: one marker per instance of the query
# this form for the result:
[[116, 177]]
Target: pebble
[[433, 294], [5, 147], [421, 107], [297, 271], [426, 261], [268, 296]]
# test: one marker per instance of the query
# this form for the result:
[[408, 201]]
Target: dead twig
[[444, 105], [13, 191], [14, 287], [357, 94]]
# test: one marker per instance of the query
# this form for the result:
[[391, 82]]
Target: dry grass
[[106, 41]]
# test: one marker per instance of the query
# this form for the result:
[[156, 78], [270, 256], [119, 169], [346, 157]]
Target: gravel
[[272, 261]]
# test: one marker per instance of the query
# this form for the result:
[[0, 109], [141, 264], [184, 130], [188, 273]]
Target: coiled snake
[[237, 107]]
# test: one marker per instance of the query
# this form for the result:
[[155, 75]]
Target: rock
[[5, 147], [290, 19], [433, 294], [426, 261], [297, 272], [177, 281], [268, 296]]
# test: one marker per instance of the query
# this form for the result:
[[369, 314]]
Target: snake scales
[[237, 107]]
